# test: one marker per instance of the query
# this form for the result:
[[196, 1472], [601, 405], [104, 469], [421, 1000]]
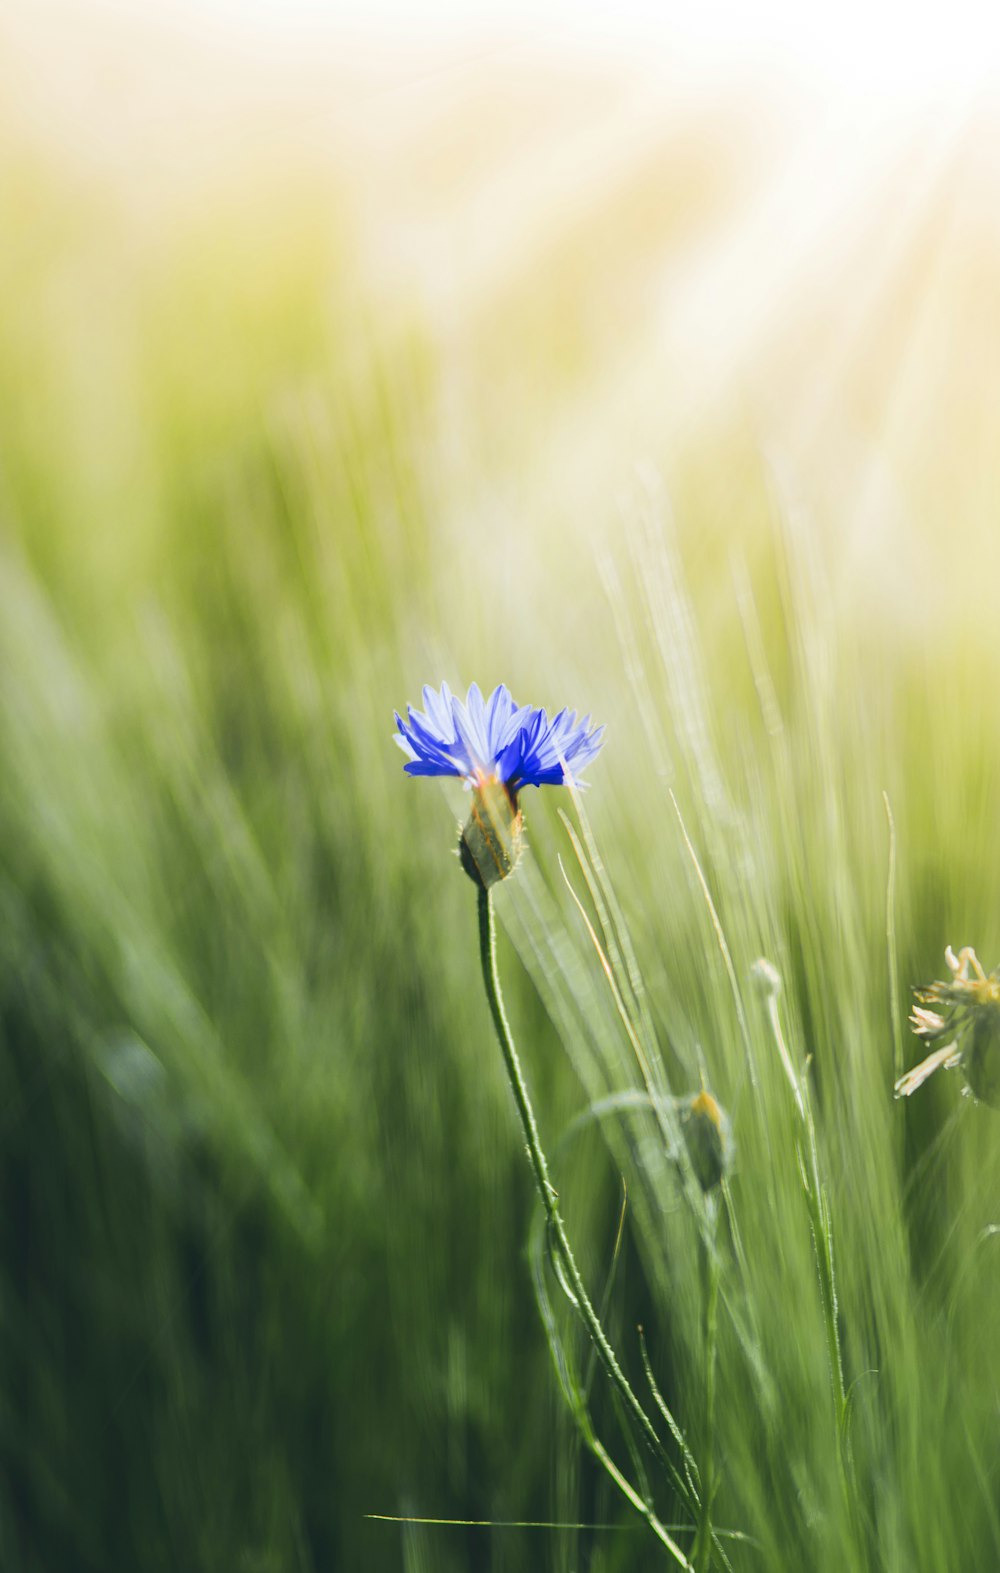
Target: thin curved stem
[[550, 1200]]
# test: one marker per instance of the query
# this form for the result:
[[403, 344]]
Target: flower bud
[[709, 1139], [490, 843], [766, 977]]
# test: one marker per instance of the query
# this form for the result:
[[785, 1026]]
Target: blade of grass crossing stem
[[607, 1356]]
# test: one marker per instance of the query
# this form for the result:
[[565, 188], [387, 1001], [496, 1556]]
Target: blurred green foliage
[[265, 1204]]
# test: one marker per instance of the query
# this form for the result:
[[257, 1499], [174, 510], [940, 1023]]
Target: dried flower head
[[964, 1011]]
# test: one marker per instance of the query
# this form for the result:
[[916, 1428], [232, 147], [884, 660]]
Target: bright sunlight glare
[[886, 50]]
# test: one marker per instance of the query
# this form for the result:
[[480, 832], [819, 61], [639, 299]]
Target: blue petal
[[498, 711], [443, 755], [519, 718], [421, 767], [475, 709], [419, 727], [469, 724], [438, 709], [508, 761]]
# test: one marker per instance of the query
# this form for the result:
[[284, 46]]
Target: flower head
[[483, 739], [964, 1010], [470, 740], [497, 747]]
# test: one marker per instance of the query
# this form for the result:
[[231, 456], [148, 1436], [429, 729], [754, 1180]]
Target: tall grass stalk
[[711, 1265], [820, 1223]]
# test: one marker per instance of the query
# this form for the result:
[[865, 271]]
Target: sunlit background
[[692, 218], [647, 359]]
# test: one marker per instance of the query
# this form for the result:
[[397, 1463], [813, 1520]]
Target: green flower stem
[[550, 1200], [819, 1220], [702, 1554], [575, 1397]]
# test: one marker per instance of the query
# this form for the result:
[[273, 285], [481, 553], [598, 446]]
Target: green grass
[[266, 1205]]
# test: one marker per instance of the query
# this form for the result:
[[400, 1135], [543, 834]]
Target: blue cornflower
[[498, 747], [495, 739]]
